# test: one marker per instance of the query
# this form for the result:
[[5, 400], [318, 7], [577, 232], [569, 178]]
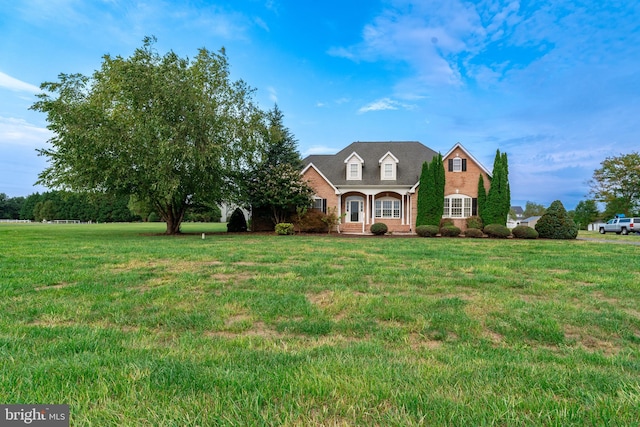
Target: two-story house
[[371, 182]]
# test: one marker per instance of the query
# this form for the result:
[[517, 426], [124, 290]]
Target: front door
[[354, 208]]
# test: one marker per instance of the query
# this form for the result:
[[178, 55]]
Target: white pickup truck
[[621, 225]]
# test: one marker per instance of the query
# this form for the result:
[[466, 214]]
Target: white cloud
[[273, 94], [20, 132], [11, 83], [384, 104]]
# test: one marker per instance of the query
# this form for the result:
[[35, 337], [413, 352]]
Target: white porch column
[[339, 212], [366, 209], [402, 209], [373, 209], [409, 208]]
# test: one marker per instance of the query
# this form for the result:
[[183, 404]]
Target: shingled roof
[[410, 155]]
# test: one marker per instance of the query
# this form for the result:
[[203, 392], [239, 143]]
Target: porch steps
[[353, 228]]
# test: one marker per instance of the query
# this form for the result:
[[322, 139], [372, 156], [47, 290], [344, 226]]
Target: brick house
[[370, 182]]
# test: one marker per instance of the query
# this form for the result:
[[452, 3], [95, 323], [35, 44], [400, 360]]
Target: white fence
[[15, 220]]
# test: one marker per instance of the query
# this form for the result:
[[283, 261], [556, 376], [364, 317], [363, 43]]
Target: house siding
[[321, 187]]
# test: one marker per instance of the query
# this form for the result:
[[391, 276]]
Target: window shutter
[[324, 206], [464, 165], [474, 206], [450, 165]]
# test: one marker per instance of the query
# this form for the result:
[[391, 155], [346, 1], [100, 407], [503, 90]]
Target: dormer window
[[354, 167], [388, 167]]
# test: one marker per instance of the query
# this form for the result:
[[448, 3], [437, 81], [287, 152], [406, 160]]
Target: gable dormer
[[388, 167], [354, 163]]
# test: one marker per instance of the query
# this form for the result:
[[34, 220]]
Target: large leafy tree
[[279, 189], [533, 209], [585, 213], [166, 129], [618, 181]]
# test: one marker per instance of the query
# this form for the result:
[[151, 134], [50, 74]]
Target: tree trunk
[[173, 216]]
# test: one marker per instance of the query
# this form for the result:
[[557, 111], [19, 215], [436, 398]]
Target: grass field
[[133, 328]]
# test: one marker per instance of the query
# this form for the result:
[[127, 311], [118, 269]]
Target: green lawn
[[133, 328]]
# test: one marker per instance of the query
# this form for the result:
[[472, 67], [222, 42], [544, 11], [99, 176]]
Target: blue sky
[[554, 84]]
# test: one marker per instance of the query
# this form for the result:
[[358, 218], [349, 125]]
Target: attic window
[[457, 164], [354, 171]]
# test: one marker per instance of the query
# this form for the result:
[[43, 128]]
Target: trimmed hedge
[[427, 230], [450, 231], [473, 232], [497, 231], [474, 222], [446, 222], [524, 232], [379, 228], [285, 229]]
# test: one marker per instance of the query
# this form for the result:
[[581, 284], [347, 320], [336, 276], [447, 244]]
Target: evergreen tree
[[423, 194], [482, 198], [498, 199], [556, 224], [435, 196], [281, 145], [273, 183]]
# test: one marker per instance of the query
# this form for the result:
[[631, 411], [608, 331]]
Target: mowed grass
[[133, 328]]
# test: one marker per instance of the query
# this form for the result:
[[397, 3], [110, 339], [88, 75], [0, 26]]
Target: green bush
[[285, 229], [427, 230], [237, 222], [379, 228], [312, 222], [473, 232], [556, 224], [474, 222], [524, 232], [450, 231], [497, 231], [446, 222]]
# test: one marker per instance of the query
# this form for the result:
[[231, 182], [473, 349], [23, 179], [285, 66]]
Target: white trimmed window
[[457, 206], [457, 164], [387, 208], [354, 171], [388, 171]]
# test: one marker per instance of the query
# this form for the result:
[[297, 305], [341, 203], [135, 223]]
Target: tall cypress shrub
[[423, 195], [435, 207], [482, 198], [498, 199], [506, 196]]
